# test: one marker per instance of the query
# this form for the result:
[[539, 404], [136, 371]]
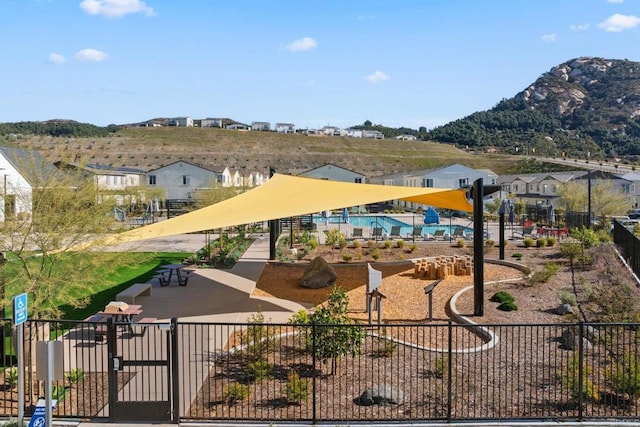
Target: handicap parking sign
[[39, 417], [20, 309]]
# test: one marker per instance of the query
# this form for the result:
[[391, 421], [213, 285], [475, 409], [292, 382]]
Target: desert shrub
[[501, 297], [551, 241], [333, 237], [388, 244], [375, 254], [567, 297], [413, 247], [347, 258], [342, 243], [441, 366], [461, 243], [235, 392], [297, 389], [371, 243], [569, 376], [11, 376], [547, 272], [400, 243], [528, 242], [259, 370], [74, 376], [357, 244], [489, 243], [258, 337], [517, 255], [625, 375], [541, 242], [508, 306], [58, 392], [313, 243], [384, 347]]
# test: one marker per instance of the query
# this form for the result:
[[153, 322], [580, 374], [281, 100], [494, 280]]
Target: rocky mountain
[[585, 105]]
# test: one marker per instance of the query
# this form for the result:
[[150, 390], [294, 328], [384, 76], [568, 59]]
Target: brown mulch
[[406, 299]]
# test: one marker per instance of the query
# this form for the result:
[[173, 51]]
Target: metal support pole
[[175, 370], [478, 250], [589, 222], [501, 242], [20, 354]]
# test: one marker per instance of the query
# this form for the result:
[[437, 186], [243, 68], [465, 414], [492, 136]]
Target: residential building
[[181, 179], [180, 122], [261, 126], [285, 128], [334, 173]]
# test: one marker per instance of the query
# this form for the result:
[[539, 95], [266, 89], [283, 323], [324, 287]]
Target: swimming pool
[[386, 222]]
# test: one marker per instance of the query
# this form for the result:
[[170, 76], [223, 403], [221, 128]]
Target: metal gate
[[142, 375]]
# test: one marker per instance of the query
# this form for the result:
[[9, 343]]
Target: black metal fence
[[268, 372], [630, 245]]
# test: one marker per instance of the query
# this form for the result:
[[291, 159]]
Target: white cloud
[[116, 8], [378, 76], [618, 23], [615, 1], [303, 44], [91, 55], [579, 27], [549, 38], [56, 58]]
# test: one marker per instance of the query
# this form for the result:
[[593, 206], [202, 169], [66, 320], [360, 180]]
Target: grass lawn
[[114, 277]]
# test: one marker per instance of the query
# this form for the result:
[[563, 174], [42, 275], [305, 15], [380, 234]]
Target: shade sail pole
[[273, 227], [478, 250]]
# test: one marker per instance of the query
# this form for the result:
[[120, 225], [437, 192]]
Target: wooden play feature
[[442, 266]]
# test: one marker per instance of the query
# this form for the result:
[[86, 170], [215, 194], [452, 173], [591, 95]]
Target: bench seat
[[138, 289]]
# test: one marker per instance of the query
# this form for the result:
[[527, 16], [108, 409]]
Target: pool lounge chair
[[395, 232], [439, 234], [417, 232], [356, 233], [377, 233], [527, 231], [458, 233]]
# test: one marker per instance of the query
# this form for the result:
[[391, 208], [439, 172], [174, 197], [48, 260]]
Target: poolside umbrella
[[345, 215], [431, 216]]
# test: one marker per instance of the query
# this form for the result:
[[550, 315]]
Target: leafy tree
[[334, 334], [61, 212]]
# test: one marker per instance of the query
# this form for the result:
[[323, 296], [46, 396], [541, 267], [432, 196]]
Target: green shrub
[[347, 258], [258, 337], [235, 393], [625, 375], [58, 392], [388, 244], [313, 243], [297, 389], [541, 242], [413, 247], [342, 243], [547, 272], [461, 243], [259, 370], [375, 254], [517, 255], [551, 241], [400, 243], [528, 242], [501, 297], [384, 347], [567, 297], [441, 366], [371, 243], [357, 244], [489, 243], [508, 306], [11, 376], [569, 375], [74, 376]]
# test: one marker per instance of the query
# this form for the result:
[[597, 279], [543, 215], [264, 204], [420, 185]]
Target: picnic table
[[124, 314], [182, 274]]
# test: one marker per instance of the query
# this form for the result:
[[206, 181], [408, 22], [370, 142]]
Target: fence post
[[175, 370], [112, 375], [450, 369], [580, 369], [315, 372]]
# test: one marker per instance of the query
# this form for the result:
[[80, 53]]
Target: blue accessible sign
[[20, 309], [39, 417]]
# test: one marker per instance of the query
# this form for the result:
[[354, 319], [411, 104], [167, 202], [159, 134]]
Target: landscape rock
[[571, 341], [380, 394], [563, 309], [318, 274]]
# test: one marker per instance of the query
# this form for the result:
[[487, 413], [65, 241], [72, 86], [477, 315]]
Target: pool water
[[386, 222]]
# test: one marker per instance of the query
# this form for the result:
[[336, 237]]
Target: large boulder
[[318, 274], [380, 394]]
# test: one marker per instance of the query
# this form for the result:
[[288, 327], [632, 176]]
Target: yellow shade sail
[[286, 196]]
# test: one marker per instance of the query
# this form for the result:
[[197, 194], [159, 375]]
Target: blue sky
[[308, 62]]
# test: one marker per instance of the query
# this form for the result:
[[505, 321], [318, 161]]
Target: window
[[427, 182], [358, 180], [152, 180], [186, 179], [463, 182]]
